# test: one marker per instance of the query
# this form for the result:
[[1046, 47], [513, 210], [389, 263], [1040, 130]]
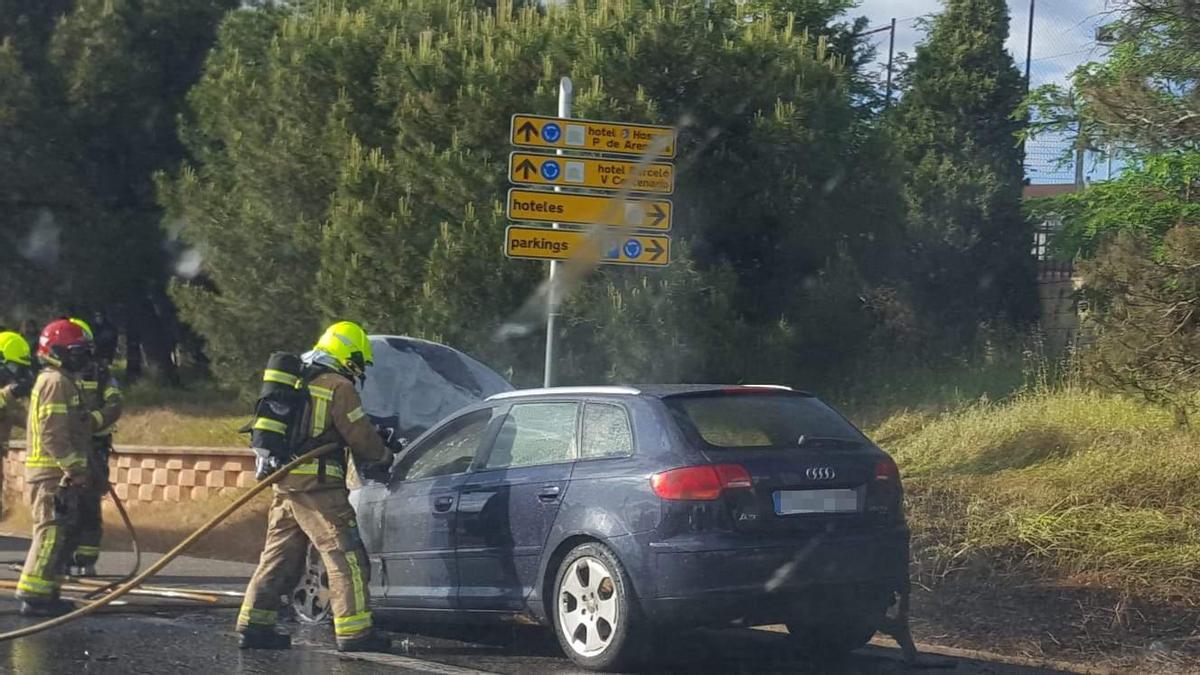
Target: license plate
[[789, 502]]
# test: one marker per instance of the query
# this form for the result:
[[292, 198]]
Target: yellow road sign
[[572, 209], [583, 172], [543, 243], [536, 131]]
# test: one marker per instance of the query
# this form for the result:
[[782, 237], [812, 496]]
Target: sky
[[1063, 38], [1063, 30]]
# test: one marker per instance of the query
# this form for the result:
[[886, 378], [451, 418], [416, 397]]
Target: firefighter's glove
[[397, 446], [22, 388], [77, 481], [19, 377], [376, 471]]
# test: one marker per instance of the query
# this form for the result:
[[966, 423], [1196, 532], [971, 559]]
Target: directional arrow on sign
[[529, 130], [526, 167], [656, 249], [543, 243], [658, 214], [597, 173], [618, 138], [576, 209]]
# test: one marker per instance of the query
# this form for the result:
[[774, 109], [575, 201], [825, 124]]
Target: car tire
[[310, 598], [832, 636], [595, 615]]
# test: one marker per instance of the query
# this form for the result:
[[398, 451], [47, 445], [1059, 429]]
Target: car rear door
[[508, 505], [419, 513]]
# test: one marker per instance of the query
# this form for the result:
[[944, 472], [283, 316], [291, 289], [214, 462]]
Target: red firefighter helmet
[[64, 343]]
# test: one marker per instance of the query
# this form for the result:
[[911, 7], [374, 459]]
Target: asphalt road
[[186, 639]]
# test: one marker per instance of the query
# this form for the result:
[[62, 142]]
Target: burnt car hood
[[415, 383]]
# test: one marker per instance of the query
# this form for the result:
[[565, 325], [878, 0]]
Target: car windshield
[[746, 421]]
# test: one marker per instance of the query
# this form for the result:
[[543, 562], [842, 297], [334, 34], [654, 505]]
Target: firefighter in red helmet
[[58, 437]]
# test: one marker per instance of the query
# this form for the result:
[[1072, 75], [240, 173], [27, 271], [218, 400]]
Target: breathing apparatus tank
[[277, 430]]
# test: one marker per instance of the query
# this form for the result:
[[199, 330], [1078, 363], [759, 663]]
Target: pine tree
[[89, 95], [955, 131]]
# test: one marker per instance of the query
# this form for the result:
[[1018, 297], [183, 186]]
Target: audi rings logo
[[820, 473]]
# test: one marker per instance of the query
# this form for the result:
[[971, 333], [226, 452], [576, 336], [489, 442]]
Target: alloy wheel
[[310, 598], [588, 606]]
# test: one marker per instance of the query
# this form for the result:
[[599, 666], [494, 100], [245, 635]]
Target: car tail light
[[701, 483], [733, 476], [886, 469], [885, 494]]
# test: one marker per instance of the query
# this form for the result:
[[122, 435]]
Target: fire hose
[[162, 562], [137, 550]]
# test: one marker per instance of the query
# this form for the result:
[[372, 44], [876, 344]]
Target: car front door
[[508, 505], [417, 545]]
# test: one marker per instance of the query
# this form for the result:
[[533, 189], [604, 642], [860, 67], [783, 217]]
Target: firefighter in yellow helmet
[[312, 504], [57, 437], [102, 397], [16, 380]]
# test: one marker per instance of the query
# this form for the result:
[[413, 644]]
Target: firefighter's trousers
[[326, 518], [91, 519], [55, 513]]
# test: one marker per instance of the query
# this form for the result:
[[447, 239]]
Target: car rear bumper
[[707, 580]]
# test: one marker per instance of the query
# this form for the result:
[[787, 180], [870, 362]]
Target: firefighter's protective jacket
[[12, 413], [102, 396], [59, 428], [337, 412]]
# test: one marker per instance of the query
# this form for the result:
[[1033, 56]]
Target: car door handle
[[443, 504], [549, 493]]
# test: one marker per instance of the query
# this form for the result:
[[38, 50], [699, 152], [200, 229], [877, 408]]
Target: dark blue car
[[608, 513]]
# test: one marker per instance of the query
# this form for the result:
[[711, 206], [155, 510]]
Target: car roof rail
[[565, 391]]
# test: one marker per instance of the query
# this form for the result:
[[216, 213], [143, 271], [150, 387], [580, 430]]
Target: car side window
[[451, 452], [606, 431], [535, 433]]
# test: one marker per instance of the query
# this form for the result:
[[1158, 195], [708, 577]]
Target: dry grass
[[197, 415], [1071, 483], [167, 426]]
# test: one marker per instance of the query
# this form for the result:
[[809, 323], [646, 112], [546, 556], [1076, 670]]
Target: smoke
[[174, 227], [189, 263], [42, 245]]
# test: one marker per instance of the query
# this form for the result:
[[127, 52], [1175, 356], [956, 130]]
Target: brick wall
[[142, 473]]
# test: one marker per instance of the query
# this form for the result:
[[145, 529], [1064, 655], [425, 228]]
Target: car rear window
[[535, 433], [735, 421]]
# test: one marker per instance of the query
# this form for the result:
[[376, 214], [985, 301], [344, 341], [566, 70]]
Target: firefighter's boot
[[371, 642], [47, 607], [82, 571], [263, 638]]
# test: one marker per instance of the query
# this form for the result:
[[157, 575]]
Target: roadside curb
[[955, 652], [976, 655]]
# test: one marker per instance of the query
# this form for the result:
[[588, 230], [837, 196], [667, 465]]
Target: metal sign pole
[[891, 55], [565, 91]]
